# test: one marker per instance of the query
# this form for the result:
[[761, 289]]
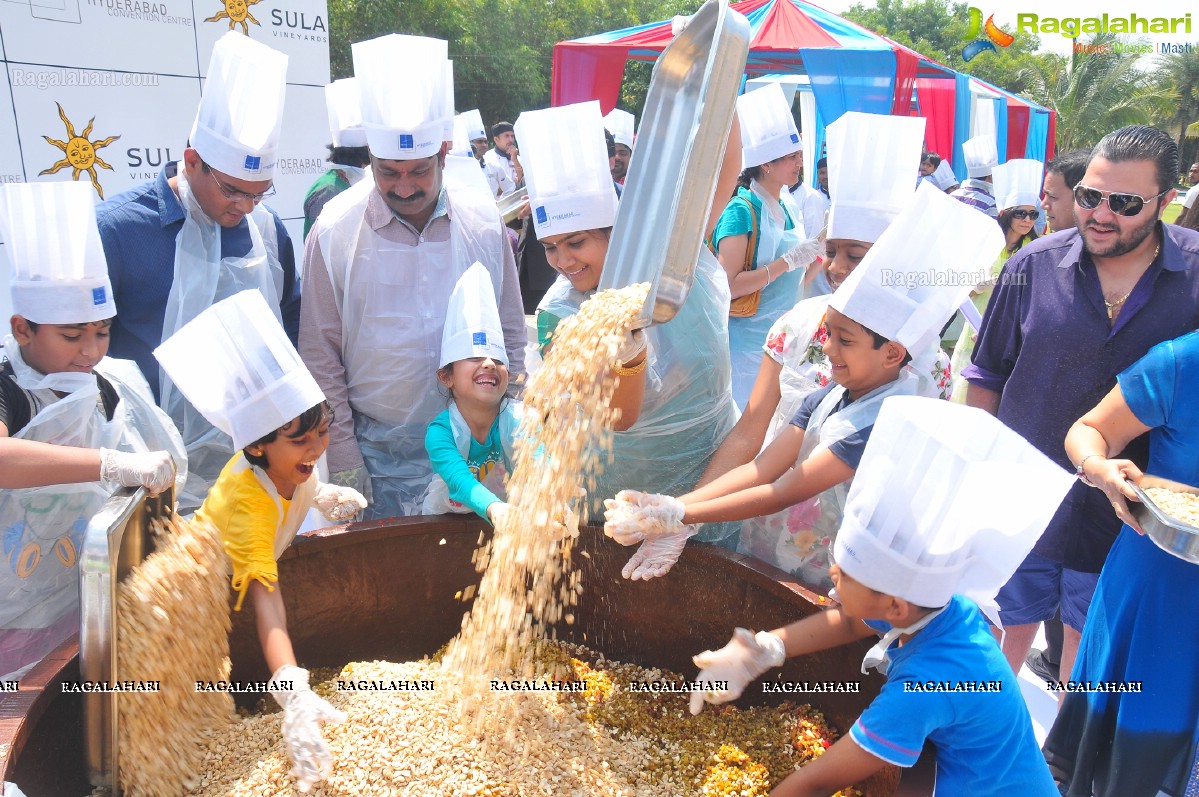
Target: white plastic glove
[[743, 659], [496, 511], [356, 478], [632, 516], [154, 470], [656, 556], [338, 504], [634, 344], [303, 711], [803, 253]]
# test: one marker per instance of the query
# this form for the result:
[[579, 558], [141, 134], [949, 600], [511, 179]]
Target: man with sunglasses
[[1071, 311], [199, 233]]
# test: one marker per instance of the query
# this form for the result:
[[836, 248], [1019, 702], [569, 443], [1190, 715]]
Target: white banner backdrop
[[105, 91]]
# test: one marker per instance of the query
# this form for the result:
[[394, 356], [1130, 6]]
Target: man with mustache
[[379, 267], [1071, 311]]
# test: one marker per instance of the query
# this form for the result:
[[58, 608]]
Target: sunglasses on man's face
[[1024, 214], [1121, 204]]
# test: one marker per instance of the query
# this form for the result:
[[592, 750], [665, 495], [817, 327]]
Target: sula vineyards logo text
[[80, 151]]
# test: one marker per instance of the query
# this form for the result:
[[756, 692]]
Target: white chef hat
[[448, 135], [59, 273], [472, 324], [1018, 182], [406, 103], [934, 511], [921, 268], [620, 124], [565, 158], [234, 363], [944, 177], [767, 126], [241, 109], [981, 155], [343, 99], [871, 160], [472, 124]]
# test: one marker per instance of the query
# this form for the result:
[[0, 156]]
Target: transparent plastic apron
[[202, 277], [393, 299], [800, 539], [687, 409], [746, 335], [437, 499], [42, 527]]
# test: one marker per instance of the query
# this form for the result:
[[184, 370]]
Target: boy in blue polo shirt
[[928, 537]]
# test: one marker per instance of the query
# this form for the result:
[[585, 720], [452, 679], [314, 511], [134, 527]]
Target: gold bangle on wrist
[[632, 370]]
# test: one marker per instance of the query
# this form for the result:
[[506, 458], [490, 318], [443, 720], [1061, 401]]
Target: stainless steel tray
[[509, 205], [1168, 532], [117, 539], [680, 145]]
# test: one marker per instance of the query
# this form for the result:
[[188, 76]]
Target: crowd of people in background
[[1050, 296]]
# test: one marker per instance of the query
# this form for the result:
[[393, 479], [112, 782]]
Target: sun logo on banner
[[994, 34], [80, 151], [238, 13]]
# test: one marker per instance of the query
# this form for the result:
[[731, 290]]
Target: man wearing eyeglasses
[[1071, 311], [199, 233]]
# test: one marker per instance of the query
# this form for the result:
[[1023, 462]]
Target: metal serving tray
[[680, 145], [1168, 532], [509, 205], [117, 539]]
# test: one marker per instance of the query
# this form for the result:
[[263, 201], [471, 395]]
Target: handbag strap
[[752, 244]]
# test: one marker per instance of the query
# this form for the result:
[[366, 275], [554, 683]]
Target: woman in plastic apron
[[42, 528], [687, 408], [393, 299], [203, 277]]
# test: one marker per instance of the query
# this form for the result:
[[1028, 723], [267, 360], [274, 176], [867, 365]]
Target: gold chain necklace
[[1111, 306]]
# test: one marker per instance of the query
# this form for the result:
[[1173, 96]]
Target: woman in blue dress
[[1143, 624]]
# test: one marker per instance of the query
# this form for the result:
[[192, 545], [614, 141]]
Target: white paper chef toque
[[981, 155], [565, 158], [472, 323], [944, 177], [59, 272], [240, 116], [407, 106], [620, 124], [343, 100], [1018, 182], [871, 160], [236, 366], [921, 268], [946, 500], [767, 127]]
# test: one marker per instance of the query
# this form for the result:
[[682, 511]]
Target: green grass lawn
[[1172, 211]]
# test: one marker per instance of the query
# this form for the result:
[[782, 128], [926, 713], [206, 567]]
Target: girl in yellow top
[[234, 363]]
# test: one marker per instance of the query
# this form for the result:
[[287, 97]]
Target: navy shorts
[[1041, 586]]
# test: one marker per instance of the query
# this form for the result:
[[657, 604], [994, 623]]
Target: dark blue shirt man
[[1071, 311]]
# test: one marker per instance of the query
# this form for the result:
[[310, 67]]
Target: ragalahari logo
[[994, 34], [80, 151], [238, 13]]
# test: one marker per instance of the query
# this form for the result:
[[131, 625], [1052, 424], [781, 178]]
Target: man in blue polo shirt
[[1071, 311], [197, 234]]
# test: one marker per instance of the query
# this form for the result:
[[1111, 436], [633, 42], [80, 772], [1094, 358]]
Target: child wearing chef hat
[[888, 312], [69, 434], [928, 538], [235, 364]]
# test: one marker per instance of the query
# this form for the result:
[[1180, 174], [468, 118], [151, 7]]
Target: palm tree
[[1094, 94], [1179, 72]]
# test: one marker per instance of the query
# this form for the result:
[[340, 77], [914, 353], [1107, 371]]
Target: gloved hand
[[632, 516], [656, 556], [633, 345], [338, 504], [303, 711], [743, 659], [358, 478], [497, 511], [803, 253], [154, 470]]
